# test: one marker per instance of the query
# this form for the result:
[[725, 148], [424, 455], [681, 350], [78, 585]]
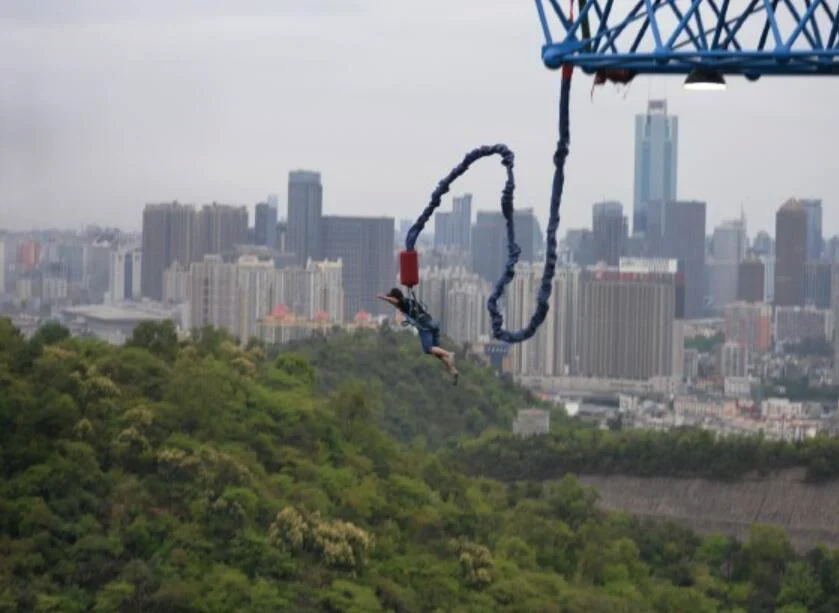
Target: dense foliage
[[202, 477], [799, 390], [420, 399], [691, 452]]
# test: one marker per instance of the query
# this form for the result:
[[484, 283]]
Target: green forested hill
[[199, 477], [418, 394]]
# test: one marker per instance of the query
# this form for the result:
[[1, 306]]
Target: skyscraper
[[489, 241], [125, 277], [305, 211], [609, 232], [729, 249], [453, 229], [365, 245], [750, 276], [656, 146], [684, 240], [461, 221], [168, 236], [790, 253], [489, 245], [580, 243], [630, 321], [265, 224], [817, 283], [815, 244], [220, 228], [443, 230]]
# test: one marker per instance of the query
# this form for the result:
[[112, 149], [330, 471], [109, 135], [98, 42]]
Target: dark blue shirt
[[415, 313]]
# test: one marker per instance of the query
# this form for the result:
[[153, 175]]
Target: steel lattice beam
[[747, 37]]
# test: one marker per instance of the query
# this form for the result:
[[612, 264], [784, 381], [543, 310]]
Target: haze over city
[[106, 107]]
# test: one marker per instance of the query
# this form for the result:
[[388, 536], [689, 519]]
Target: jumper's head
[[396, 293]]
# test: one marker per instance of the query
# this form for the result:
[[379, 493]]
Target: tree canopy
[[206, 477], [681, 452]]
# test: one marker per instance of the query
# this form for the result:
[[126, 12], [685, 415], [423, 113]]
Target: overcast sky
[[107, 104]]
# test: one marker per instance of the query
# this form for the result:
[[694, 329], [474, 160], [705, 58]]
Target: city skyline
[[90, 140]]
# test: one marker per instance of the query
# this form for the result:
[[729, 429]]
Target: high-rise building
[[168, 236], [750, 277], [404, 228], [630, 321], [177, 285], [489, 241], [609, 232], [536, 357], [220, 228], [281, 243], [458, 298], [327, 289], [768, 278], [817, 282], [214, 296], [365, 246], [72, 258], [313, 292], [684, 240], [305, 213], [763, 244], [656, 147], [237, 296], [125, 278], [98, 269], [815, 242], [453, 230], [265, 224], [565, 311], [489, 245], [580, 244], [796, 324], [443, 238], [790, 253], [729, 249], [28, 254], [528, 234], [461, 222], [749, 325]]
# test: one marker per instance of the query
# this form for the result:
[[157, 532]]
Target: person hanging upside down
[[429, 330]]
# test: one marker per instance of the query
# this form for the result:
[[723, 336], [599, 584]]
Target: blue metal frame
[[747, 37]]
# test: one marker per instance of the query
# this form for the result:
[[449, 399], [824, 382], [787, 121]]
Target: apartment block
[[749, 324]]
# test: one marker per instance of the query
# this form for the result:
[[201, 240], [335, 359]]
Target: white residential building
[[125, 276]]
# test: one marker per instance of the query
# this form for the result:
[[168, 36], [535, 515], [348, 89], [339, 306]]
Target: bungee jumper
[[409, 258], [427, 327]]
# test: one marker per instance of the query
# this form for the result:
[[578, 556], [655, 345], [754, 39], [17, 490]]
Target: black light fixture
[[705, 79]]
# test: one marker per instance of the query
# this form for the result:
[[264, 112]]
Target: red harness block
[[409, 267]]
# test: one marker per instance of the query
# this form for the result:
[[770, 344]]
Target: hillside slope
[[416, 393], [804, 510], [199, 477]]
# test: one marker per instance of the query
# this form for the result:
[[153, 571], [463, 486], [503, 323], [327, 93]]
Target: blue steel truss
[[747, 37]]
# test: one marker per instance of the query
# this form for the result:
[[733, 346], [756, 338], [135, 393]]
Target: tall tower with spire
[[656, 163]]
